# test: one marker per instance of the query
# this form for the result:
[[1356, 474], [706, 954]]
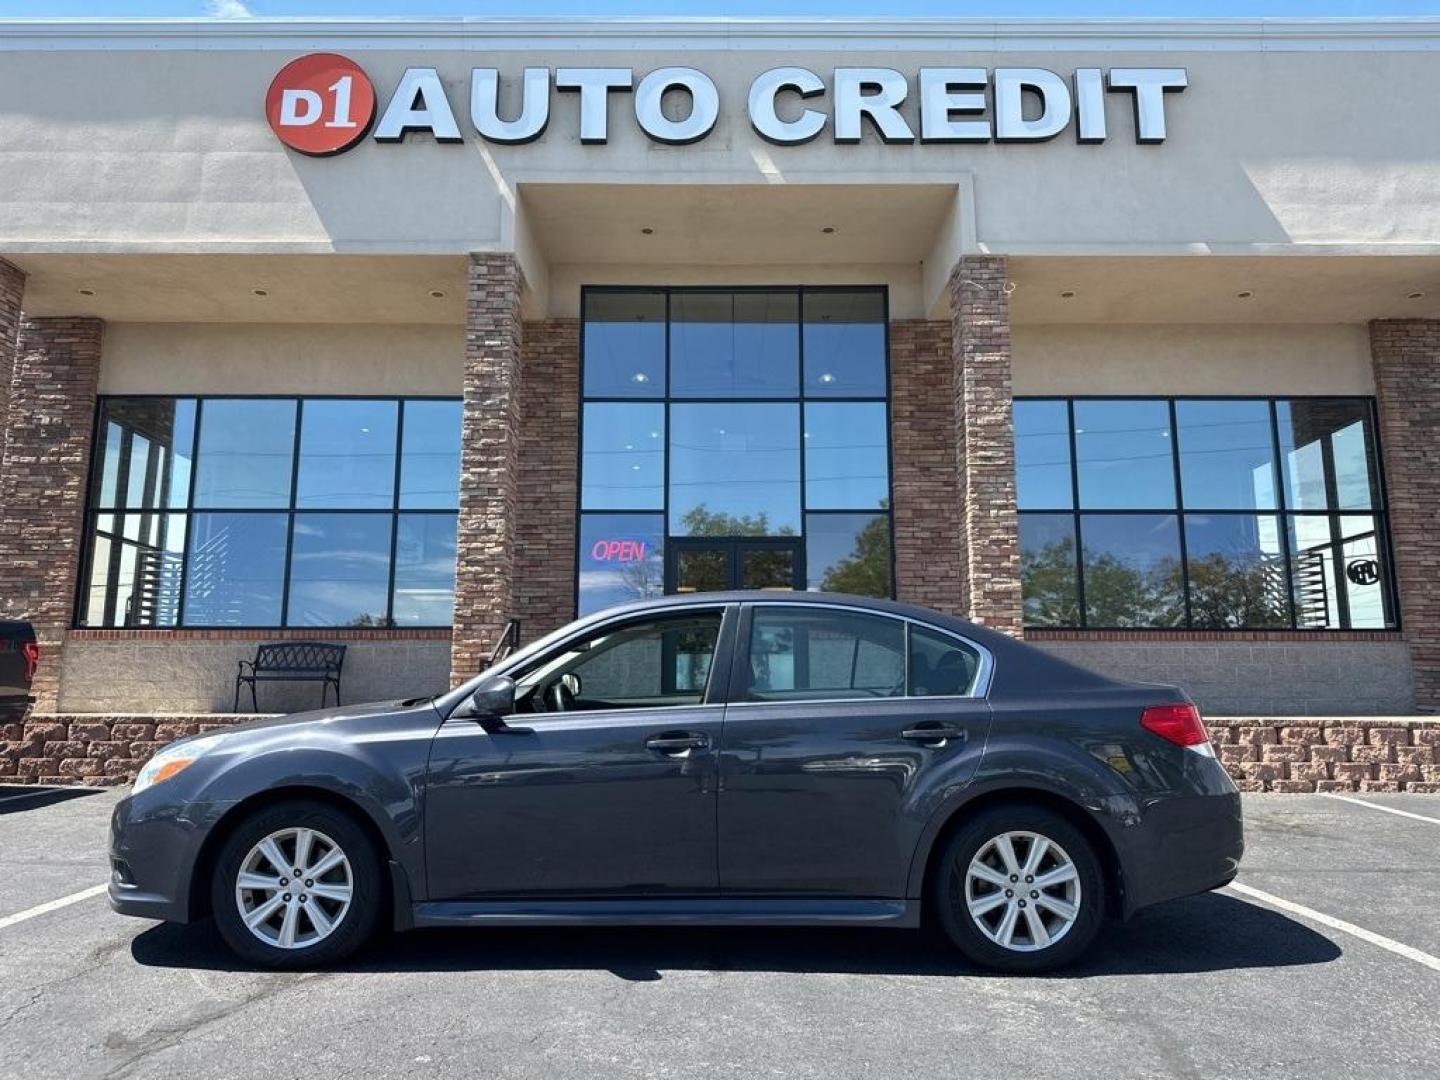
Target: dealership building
[[1121, 336]]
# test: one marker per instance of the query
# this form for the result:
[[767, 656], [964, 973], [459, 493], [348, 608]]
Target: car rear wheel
[[1020, 889], [297, 885]]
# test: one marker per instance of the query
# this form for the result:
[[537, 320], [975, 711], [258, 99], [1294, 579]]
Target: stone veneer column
[[929, 554], [1406, 357], [485, 564], [549, 475], [42, 483], [12, 292], [985, 440]]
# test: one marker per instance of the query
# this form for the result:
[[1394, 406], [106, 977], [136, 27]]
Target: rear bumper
[[1181, 847]]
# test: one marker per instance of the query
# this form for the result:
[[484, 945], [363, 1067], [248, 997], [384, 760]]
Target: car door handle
[[932, 732], [677, 742]]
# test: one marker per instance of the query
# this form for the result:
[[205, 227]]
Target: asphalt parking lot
[[1330, 970]]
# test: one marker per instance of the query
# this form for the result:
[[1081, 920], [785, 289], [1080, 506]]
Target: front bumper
[[155, 843]]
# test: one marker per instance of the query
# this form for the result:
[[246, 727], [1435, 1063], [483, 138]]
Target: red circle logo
[[320, 104]]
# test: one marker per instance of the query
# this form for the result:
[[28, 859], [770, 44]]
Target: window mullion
[[1180, 516], [395, 512], [290, 515], [1282, 509], [1075, 517]]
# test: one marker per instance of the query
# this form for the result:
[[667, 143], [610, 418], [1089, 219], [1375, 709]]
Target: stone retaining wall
[[1261, 753], [1329, 754]]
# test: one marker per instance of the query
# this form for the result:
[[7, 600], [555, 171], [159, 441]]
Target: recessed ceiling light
[[1068, 294], [86, 292], [1416, 295], [260, 292], [648, 231], [828, 229], [827, 378], [437, 294], [1244, 294], [640, 377]]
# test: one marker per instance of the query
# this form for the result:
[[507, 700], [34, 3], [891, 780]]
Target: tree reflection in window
[[1180, 521]]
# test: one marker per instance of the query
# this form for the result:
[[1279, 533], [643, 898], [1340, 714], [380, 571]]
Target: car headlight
[[173, 760]]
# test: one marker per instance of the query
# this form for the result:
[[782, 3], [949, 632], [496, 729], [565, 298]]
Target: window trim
[[666, 400], [1379, 511], [979, 691], [94, 508]]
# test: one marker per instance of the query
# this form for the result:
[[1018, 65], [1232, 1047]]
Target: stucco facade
[[1258, 251]]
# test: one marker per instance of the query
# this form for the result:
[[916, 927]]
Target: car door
[[840, 721], [604, 781]]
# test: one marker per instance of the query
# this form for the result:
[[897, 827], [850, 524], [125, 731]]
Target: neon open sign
[[625, 551]]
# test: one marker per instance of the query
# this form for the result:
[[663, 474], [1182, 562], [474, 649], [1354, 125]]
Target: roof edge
[[1201, 33]]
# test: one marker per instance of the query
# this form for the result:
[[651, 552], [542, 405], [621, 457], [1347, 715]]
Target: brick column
[[549, 475], [929, 555], [12, 292], [1406, 358], [985, 440], [485, 586], [42, 484]]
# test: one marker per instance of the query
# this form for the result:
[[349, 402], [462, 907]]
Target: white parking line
[[53, 905], [1377, 806], [1397, 947]]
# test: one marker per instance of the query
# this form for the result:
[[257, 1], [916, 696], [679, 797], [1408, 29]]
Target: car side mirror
[[491, 702]]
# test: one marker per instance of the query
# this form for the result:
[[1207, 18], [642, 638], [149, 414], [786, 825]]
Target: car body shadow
[[1212, 932], [15, 798]]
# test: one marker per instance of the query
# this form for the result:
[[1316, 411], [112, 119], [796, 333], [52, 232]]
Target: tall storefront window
[[1207, 514], [272, 512], [734, 438]]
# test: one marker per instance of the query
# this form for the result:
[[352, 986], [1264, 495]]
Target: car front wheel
[[1020, 889], [297, 885]]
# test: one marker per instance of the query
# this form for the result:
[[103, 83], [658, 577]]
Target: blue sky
[[980, 8]]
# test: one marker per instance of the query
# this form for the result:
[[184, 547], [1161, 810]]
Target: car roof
[[978, 632], [1018, 666]]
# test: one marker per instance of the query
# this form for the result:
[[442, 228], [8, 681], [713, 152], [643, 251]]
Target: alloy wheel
[[1022, 891], [294, 888]]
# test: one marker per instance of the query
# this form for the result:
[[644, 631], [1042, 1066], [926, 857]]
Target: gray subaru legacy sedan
[[703, 759]]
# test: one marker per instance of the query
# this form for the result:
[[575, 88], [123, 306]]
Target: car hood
[[340, 718]]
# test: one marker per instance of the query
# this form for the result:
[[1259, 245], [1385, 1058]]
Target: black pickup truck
[[19, 657]]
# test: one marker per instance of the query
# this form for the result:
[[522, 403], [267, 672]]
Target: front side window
[[1213, 514], [645, 664], [271, 512]]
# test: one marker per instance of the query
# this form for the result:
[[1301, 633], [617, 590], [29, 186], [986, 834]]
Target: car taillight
[[1179, 724], [31, 651]]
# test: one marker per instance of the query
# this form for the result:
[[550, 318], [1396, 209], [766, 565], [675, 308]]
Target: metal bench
[[292, 661]]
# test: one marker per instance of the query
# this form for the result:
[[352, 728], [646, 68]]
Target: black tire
[[356, 923], [950, 898]]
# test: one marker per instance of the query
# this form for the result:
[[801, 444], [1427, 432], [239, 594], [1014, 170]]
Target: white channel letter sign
[[786, 106]]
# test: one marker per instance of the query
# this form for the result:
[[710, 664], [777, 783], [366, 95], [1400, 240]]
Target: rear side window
[[941, 665], [797, 654]]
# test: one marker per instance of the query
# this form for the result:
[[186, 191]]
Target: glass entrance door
[[714, 565]]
